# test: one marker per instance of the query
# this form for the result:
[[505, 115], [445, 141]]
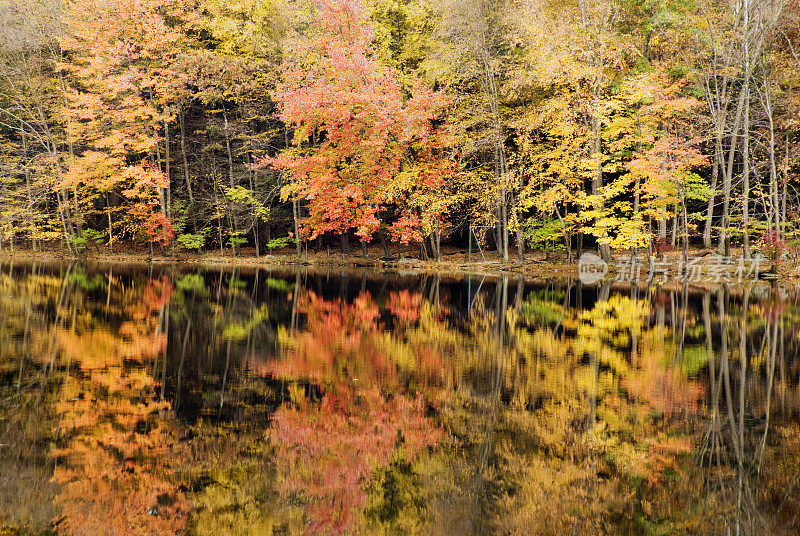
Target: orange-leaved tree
[[669, 149], [362, 142], [122, 56]]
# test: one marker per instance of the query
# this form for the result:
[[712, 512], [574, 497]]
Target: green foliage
[[236, 283], [396, 504], [87, 236], [86, 282], [694, 359], [235, 239], [695, 187], [281, 242], [679, 71], [546, 234], [543, 308], [193, 241], [238, 331], [244, 197]]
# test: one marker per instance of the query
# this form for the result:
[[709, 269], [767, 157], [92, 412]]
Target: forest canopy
[[540, 124]]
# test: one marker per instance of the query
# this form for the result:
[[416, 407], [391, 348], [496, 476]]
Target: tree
[[123, 58], [31, 133], [354, 131], [471, 58]]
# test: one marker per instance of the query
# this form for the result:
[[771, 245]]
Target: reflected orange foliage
[[338, 341], [405, 305], [328, 451], [328, 448], [665, 388], [115, 449], [114, 478]]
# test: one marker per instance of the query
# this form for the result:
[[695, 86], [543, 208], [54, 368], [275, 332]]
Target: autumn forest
[[158, 379], [549, 125]]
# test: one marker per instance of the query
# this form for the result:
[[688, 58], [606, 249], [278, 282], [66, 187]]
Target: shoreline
[[534, 270]]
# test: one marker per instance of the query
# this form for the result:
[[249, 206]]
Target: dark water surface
[[240, 401]]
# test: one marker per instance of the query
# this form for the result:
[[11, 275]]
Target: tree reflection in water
[[160, 401]]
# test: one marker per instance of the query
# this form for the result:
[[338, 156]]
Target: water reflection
[[165, 401]]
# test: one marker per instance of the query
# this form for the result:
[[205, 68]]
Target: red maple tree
[[359, 146]]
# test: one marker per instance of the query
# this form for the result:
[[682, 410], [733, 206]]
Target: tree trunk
[[724, 240], [219, 215], [711, 198], [504, 222], [685, 229], [295, 205], [597, 180], [110, 228], [255, 240], [185, 159], [785, 181], [234, 222], [746, 143], [67, 234], [28, 182], [518, 225], [773, 166], [168, 212], [385, 246], [78, 217], [637, 186], [675, 226], [596, 125], [296, 217], [162, 201], [500, 163]]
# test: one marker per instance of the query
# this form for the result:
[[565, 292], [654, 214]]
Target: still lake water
[[241, 401]]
